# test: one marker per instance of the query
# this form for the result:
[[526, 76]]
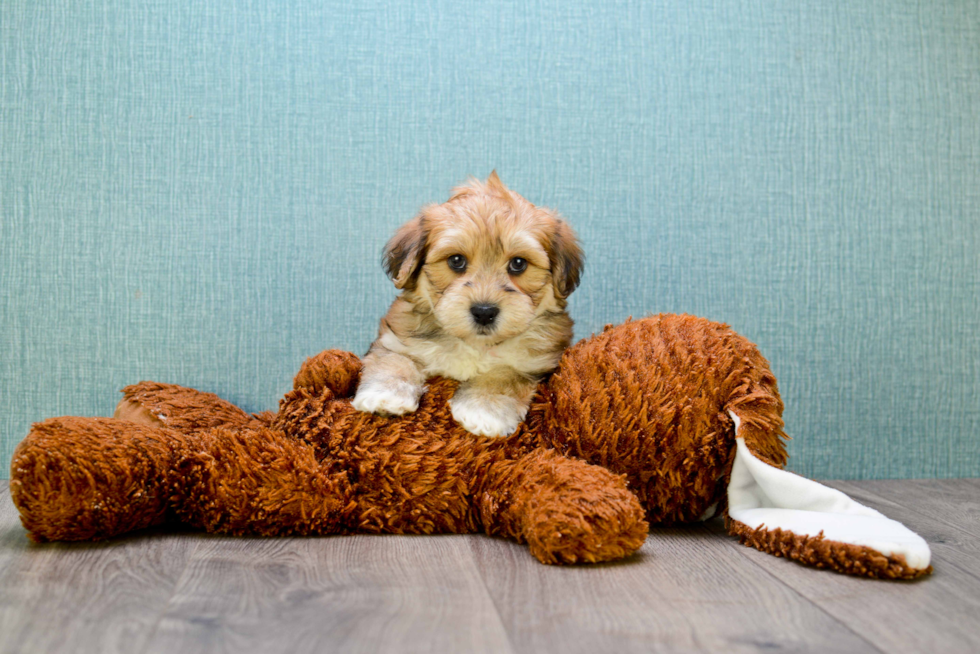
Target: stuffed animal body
[[665, 420]]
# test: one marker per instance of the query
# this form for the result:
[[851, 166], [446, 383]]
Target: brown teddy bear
[[666, 420]]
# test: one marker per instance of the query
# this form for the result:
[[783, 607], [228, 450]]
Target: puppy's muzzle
[[484, 314]]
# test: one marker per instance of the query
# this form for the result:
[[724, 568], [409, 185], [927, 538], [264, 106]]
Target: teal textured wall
[[198, 192]]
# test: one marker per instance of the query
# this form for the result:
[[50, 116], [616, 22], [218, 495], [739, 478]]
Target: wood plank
[[954, 501], [12, 534], [354, 594], [934, 614], [931, 515], [686, 590], [84, 597]]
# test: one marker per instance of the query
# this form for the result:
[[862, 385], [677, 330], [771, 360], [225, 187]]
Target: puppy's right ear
[[403, 255]]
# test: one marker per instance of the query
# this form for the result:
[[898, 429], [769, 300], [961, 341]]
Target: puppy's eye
[[457, 262], [517, 265]]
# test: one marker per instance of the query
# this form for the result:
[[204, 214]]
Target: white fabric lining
[[760, 494]]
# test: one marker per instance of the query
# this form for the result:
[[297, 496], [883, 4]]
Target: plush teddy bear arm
[[186, 409], [566, 510], [180, 408], [335, 370]]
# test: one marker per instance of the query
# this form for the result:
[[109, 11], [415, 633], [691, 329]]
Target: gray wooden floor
[[692, 589]]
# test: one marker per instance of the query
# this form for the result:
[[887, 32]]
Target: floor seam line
[[919, 512], [486, 589], [808, 600], [173, 594]]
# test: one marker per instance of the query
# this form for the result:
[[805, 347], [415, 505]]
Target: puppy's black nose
[[484, 314]]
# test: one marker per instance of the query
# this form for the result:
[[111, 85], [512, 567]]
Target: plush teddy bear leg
[[95, 478], [260, 482], [92, 478], [568, 511]]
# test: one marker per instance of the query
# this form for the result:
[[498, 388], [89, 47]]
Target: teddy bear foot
[[566, 510], [91, 478], [604, 528]]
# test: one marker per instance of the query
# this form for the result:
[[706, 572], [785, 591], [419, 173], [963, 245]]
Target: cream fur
[[430, 330]]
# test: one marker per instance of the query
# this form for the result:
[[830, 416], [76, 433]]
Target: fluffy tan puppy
[[484, 280]]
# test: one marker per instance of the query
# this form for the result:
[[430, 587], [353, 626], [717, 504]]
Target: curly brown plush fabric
[[823, 553], [650, 399], [88, 478], [632, 428]]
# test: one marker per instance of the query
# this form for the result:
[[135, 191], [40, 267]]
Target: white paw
[[391, 398], [493, 415]]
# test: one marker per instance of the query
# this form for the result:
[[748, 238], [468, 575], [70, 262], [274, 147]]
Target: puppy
[[484, 280]]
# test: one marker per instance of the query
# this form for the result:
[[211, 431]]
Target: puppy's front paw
[[394, 398], [488, 415]]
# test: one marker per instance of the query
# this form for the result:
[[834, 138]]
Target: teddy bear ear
[[781, 513], [403, 255]]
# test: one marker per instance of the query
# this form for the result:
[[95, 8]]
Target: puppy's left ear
[[567, 258], [403, 255]]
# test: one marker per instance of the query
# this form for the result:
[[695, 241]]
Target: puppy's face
[[485, 263]]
